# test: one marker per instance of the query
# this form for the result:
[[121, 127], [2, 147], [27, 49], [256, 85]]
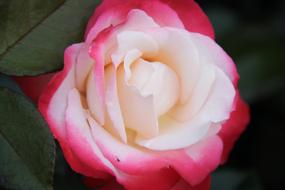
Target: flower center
[[146, 90], [157, 79]]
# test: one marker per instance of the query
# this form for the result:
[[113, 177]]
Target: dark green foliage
[[26, 145], [34, 33]]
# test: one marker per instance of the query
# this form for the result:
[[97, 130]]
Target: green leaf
[[43, 30], [19, 17], [27, 148], [7, 82]]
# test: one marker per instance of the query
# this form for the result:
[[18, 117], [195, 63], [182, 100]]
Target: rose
[[148, 97]]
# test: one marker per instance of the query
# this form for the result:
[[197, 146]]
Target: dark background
[[253, 34]]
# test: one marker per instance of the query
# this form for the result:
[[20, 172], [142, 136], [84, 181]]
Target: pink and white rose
[[148, 97]]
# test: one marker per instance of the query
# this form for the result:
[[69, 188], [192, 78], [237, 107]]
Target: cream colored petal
[[220, 101], [157, 79], [198, 98], [112, 103], [129, 59], [138, 111], [177, 50], [175, 135], [94, 99], [129, 40]]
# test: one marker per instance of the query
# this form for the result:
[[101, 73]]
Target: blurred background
[[253, 33]]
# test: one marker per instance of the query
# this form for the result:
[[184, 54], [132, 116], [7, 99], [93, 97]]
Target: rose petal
[[79, 135], [213, 100], [53, 101], [139, 74], [95, 92], [175, 135], [99, 49], [136, 19], [112, 103], [107, 40], [197, 161], [83, 66], [85, 144], [129, 40], [138, 111], [160, 180], [199, 96], [200, 159], [94, 98], [177, 50], [192, 16], [214, 54], [219, 103], [113, 12], [34, 86], [157, 79], [129, 59], [126, 158], [232, 128]]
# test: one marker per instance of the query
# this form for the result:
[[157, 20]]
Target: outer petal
[[193, 163], [220, 93], [232, 128], [164, 12], [218, 106], [192, 16], [196, 162], [79, 136], [212, 53], [163, 179], [136, 163], [53, 103], [129, 159], [34, 86], [114, 12]]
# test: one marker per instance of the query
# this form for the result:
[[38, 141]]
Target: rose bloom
[[148, 98]]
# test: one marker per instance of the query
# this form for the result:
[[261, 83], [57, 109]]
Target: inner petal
[[95, 103], [134, 40], [157, 79], [176, 49], [138, 111], [112, 103], [199, 96]]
